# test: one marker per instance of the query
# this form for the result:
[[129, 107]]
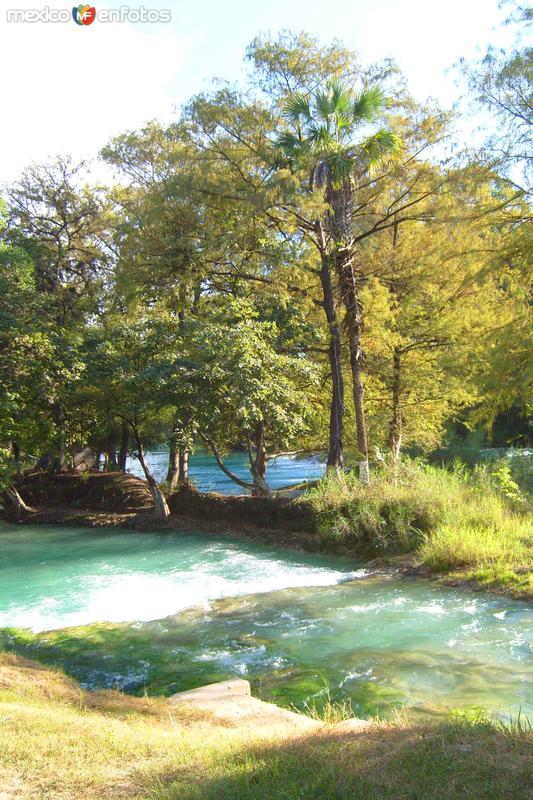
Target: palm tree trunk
[[340, 224], [354, 326], [336, 419]]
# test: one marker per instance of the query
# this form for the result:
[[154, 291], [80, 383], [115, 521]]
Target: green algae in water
[[380, 643]]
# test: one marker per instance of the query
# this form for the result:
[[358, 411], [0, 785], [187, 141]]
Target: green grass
[[327, 710], [58, 742], [450, 519]]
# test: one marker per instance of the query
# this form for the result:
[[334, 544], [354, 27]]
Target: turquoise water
[[166, 612], [208, 477]]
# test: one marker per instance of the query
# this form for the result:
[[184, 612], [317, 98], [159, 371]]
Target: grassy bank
[[57, 741], [472, 525]]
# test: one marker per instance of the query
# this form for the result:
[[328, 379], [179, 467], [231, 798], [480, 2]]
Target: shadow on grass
[[452, 761]]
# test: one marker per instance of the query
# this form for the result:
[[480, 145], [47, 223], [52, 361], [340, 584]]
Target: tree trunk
[[340, 226], [184, 454], [161, 509], [258, 465], [335, 450], [394, 440], [123, 452], [178, 456], [57, 415], [18, 502], [173, 471], [214, 449], [354, 326], [110, 453]]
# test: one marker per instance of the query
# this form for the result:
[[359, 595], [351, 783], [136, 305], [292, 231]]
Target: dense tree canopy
[[278, 242]]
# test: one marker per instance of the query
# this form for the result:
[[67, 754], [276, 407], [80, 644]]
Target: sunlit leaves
[[382, 148], [324, 132], [368, 104]]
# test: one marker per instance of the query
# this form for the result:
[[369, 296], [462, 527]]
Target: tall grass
[[452, 518], [325, 709]]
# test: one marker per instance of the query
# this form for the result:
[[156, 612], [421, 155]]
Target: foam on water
[[177, 573]]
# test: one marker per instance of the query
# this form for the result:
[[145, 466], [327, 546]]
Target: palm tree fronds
[[382, 148], [344, 124], [320, 139], [289, 143], [368, 104], [323, 126], [340, 167], [341, 99], [324, 104], [297, 108]]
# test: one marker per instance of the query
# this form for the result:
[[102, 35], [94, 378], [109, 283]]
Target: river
[[208, 477], [166, 612]]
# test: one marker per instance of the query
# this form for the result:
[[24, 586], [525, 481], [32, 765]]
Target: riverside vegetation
[[59, 741], [469, 525], [298, 262]]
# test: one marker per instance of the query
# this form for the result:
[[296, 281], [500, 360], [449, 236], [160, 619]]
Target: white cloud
[[67, 88]]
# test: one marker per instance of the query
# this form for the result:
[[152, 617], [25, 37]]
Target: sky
[[67, 88]]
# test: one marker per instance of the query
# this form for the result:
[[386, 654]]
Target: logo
[[83, 15]]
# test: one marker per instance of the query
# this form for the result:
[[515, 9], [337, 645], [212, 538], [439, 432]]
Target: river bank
[[59, 741], [435, 524]]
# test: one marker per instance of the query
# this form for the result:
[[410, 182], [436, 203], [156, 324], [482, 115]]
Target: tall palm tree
[[323, 135]]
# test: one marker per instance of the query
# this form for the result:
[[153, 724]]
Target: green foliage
[[190, 295], [388, 516], [449, 518], [328, 710], [244, 381], [501, 476], [6, 468]]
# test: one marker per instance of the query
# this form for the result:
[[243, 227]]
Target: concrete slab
[[231, 702]]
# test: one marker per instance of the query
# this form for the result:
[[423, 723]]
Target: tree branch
[[212, 446]]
